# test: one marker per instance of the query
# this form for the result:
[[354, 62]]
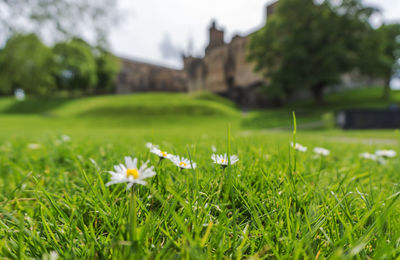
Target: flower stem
[[133, 226], [159, 162], [221, 183]]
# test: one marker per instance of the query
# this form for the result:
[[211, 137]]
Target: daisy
[[223, 159], [130, 173], [386, 153], [368, 156], [150, 145], [321, 151], [299, 147], [181, 162], [159, 153], [65, 138], [33, 146]]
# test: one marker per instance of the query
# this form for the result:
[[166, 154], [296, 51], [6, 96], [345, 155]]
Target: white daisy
[[223, 159], [321, 151], [386, 153], [181, 162], [150, 145], [65, 138], [130, 173], [368, 156], [381, 160], [159, 153], [33, 146], [299, 147]]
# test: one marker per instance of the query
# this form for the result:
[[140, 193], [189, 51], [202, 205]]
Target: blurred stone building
[[223, 70], [138, 76]]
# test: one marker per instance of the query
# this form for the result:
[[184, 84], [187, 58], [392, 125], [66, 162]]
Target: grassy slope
[[153, 104], [156, 108], [144, 105], [143, 115], [168, 113]]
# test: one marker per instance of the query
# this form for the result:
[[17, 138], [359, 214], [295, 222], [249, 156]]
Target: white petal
[[129, 162], [123, 168], [140, 182], [143, 166], [118, 168], [148, 173], [112, 173], [115, 182], [135, 163], [129, 185]]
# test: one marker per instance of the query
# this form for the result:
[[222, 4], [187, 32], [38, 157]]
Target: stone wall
[[242, 71], [225, 70], [143, 77]]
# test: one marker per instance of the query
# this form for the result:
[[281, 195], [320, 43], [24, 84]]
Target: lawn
[[275, 202]]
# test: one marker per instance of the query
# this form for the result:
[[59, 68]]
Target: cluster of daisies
[[132, 174], [317, 150], [379, 155]]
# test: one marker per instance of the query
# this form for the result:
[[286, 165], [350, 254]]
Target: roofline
[[145, 62]]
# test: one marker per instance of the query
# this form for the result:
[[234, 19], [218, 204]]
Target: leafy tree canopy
[[58, 19], [308, 45], [25, 62], [75, 65], [381, 54], [108, 67]]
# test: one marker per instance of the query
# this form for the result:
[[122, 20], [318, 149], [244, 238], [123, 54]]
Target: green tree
[[381, 53], [75, 66], [59, 19], [108, 67], [25, 62], [308, 45]]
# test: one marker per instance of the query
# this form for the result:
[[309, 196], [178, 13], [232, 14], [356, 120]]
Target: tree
[[75, 66], [25, 62], [381, 53], [107, 69], [59, 19], [308, 45]]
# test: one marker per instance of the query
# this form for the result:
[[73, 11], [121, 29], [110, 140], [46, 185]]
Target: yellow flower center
[[223, 161], [182, 164], [132, 172], [164, 153]]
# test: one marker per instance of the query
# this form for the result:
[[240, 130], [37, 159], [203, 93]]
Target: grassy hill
[[166, 108], [140, 113], [154, 104]]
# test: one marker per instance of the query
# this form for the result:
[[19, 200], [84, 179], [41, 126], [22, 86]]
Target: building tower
[[216, 37]]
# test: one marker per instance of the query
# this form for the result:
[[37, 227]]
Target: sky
[[158, 31]]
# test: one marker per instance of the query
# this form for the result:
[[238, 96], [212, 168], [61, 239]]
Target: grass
[[273, 203]]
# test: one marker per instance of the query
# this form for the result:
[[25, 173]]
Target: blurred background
[[335, 62]]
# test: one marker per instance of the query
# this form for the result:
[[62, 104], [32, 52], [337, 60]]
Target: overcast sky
[[147, 25]]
